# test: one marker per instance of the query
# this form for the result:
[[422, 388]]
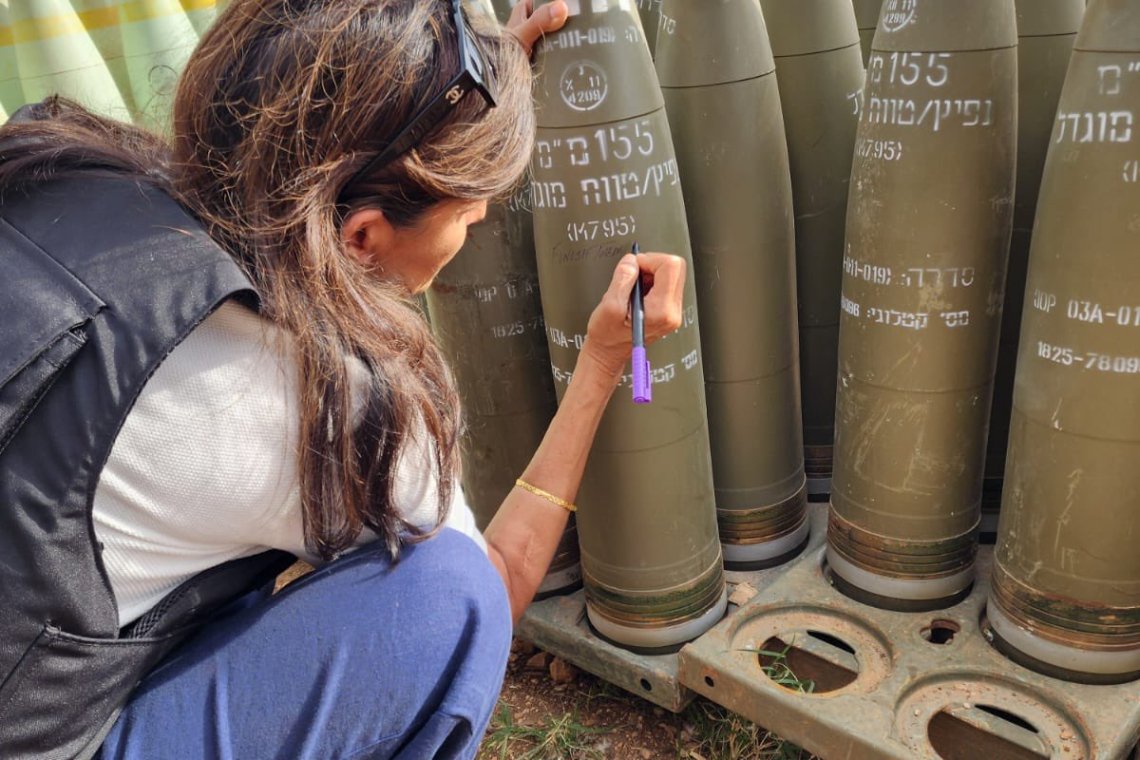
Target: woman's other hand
[[608, 335], [529, 25]]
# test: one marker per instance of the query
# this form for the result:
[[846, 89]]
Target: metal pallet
[[885, 684], [558, 625]]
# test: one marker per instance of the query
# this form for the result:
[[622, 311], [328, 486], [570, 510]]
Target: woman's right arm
[[524, 534]]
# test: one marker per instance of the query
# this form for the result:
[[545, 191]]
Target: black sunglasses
[[475, 73]]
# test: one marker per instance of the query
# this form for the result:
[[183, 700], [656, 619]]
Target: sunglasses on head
[[475, 74]]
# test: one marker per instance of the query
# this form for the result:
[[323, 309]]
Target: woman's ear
[[366, 234]]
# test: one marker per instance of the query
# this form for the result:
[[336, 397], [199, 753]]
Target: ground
[[548, 710]]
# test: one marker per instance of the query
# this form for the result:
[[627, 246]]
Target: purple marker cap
[[642, 382]]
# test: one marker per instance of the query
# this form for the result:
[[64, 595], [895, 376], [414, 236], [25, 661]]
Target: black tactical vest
[[100, 278]]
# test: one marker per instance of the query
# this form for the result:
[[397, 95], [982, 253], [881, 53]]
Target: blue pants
[[360, 659]]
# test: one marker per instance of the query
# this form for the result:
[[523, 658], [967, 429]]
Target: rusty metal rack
[[882, 684], [558, 625]]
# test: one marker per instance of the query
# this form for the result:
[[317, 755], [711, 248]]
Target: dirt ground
[[549, 710]]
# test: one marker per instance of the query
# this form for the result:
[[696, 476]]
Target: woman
[[337, 151]]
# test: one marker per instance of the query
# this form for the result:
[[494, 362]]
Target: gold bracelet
[[546, 495]]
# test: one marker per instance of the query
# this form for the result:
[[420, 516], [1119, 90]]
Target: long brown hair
[[280, 105]]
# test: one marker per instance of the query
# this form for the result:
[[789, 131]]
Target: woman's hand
[[608, 335], [529, 25], [524, 534]]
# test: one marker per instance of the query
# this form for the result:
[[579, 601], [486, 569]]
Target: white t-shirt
[[205, 467]]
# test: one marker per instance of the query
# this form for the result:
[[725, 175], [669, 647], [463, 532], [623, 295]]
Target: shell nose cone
[[945, 26], [1111, 26], [712, 43], [1045, 18], [810, 26]]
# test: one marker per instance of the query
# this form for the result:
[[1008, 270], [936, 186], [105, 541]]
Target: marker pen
[[642, 383]]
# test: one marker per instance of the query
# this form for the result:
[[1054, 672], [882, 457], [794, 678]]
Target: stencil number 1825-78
[[1055, 354]]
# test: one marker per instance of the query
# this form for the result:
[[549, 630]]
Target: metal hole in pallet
[[991, 731], [940, 631], [809, 663]]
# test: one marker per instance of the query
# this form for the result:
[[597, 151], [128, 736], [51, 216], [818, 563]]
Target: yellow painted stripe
[[66, 25], [98, 18], [146, 10], [197, 5], [35, 29]]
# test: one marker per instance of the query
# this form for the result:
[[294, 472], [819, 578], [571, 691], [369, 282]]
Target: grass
[[723, 735], [627, 727], [559, 737], [713, 733], [598, 689], [775, 666]]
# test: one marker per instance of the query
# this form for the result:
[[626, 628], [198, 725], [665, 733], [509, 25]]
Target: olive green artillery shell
[[867, 16], [502, 9], [718, 79], [605, 176], [820, 71], [928, 230], [650, 13], [1067, 568], [937, 26], [1046, 31], [486, 312]]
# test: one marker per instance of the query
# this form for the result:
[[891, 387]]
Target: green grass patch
[[720, 734], [775, 666], [558, 737]]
